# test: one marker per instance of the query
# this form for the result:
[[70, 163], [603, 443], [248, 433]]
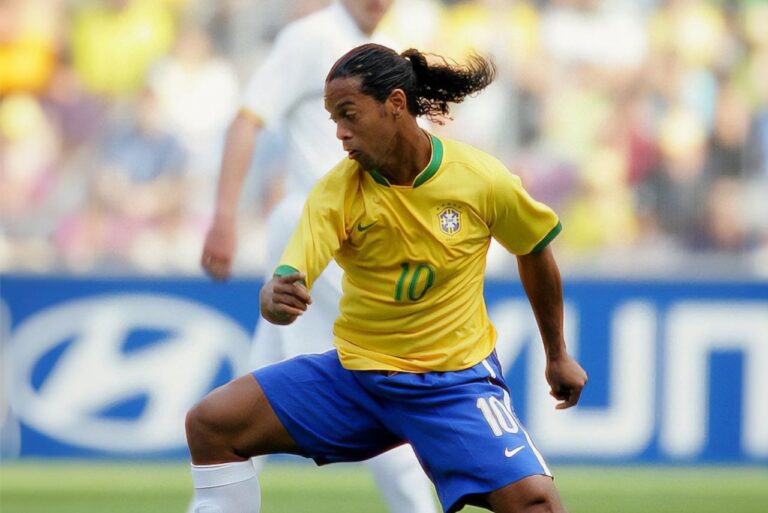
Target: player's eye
[[350, 116]]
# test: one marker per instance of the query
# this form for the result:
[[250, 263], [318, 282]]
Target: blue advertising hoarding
[[106, 367]]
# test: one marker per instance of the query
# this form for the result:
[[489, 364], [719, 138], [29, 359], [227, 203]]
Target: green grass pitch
[[287, 487]]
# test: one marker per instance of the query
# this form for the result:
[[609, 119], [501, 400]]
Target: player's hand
[[566, 379], [284, 298], [219, 250]]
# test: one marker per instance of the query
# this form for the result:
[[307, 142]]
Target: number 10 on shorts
[[498, 416]]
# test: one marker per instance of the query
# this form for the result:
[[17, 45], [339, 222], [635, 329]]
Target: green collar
[[427, 173]]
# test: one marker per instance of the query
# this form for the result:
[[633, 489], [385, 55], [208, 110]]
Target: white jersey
[[288, 89]]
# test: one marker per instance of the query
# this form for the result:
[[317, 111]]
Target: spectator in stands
[[79, 115], [28, 44], [726, 149], [559, 96], [197, 95], [29, 150], [723, 227], [677, 190], [114, 42], [139, 183]]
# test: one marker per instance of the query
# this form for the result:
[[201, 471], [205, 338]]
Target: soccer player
[[287, 90], [409, 217]]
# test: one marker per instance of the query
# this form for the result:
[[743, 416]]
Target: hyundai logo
[[119, 372]]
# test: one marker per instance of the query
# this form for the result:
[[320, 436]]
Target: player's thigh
[[235, 418], [325, 409]]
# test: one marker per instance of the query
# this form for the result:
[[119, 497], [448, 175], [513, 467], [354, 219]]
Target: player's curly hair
[[429, 86]]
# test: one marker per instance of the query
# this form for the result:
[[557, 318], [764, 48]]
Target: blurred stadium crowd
[[643, 123]]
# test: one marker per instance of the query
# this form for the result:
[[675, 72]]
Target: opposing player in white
[[288, 89]]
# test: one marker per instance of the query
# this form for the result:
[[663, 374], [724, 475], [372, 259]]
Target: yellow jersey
[[414, 256]]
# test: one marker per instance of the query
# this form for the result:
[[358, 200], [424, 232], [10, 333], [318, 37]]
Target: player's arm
[[272, 91], [319, 234], [220, 241], [526, 227], [542, 283]]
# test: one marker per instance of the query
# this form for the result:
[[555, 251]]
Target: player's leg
[[464, 430], [534, 494], [231, 424], [266, 349], [402, 481], [309, 405], [270, 342]]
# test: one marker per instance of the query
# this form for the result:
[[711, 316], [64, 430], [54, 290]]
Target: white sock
[[226, 488], [405, 487], [258, 463]]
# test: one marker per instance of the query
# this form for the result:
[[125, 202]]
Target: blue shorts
[[460, 424]]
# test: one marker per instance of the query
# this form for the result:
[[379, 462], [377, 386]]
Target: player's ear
[[397, 102]]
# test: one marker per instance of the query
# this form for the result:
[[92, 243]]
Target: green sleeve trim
[[549, 237], [285, 270]]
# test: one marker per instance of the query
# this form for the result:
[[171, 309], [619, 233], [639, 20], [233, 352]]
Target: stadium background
[[644, 123]]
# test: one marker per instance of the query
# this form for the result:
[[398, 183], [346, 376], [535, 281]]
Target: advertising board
[[104, 367]]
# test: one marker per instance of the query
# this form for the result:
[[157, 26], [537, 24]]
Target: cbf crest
[[449, 217]]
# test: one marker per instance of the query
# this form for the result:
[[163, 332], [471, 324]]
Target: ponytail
[[429, 87]]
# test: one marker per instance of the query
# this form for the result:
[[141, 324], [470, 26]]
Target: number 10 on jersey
[[415, 283]]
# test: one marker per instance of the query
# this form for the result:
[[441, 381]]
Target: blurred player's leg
[[402, 481], [228, 487]]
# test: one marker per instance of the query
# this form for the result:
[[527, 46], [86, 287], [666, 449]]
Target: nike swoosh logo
[[362, 228], [511, 452]]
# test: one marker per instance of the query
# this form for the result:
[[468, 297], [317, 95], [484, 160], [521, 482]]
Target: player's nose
[[342, 133]]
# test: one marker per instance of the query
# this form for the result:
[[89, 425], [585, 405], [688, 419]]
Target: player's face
[[367, 13], [364, 126]]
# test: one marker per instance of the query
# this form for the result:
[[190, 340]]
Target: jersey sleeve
[[319, 234], [520, 223], [281, 80]]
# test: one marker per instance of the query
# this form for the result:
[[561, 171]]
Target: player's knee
[[541, 497], [194, 422], [202, 430], [535, 494], [542, 500], [543, 504]]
